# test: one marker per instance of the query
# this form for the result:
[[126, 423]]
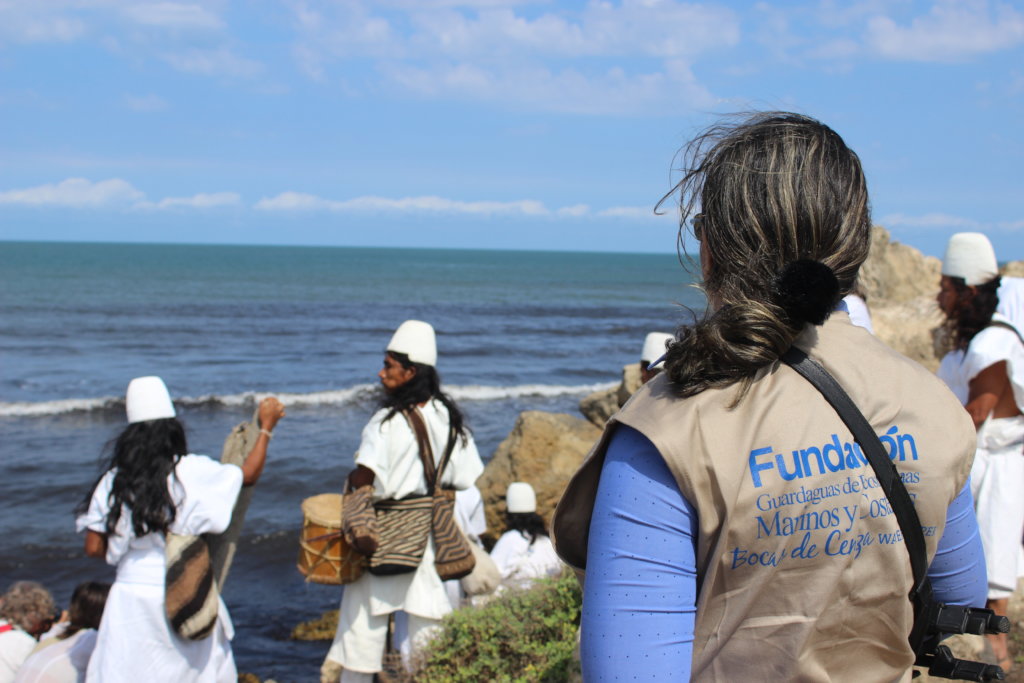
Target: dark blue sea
[[226, 325]]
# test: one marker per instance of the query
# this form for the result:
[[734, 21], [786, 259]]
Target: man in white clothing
[[389, 460]]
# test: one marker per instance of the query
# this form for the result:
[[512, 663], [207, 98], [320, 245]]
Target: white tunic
[[59, 661], [520, 562], [135, 640], [993, 344], [15, 646]]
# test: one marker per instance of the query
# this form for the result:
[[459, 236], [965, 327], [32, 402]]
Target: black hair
[[972, 312], [424, 385], [529, 524], [86, 609], [144, 456]]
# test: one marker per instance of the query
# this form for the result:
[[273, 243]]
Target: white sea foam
[[67, 405], [472, 392], [336, 397]]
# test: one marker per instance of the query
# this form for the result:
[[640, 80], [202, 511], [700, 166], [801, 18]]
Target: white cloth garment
[[1011, 300], [469, 515], [60, 661], [996, 479], [135, 640], [858, 310], [997, 475], [389, 448], [521, 562], [995, 343], [15, 646]]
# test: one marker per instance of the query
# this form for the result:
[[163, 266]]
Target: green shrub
[[522, 636]]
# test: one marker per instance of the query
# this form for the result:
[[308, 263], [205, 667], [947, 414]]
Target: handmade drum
[[324, 556]]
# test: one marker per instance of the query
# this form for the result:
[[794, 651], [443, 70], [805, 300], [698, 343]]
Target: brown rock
[[896, 273], [910, 327], [1013, 269], [543, 449], [600, 405]]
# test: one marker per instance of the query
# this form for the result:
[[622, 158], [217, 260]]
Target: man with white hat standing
[[389, 460], [985, 370]]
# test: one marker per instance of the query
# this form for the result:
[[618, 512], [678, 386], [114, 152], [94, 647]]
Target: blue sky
[[484, 123]]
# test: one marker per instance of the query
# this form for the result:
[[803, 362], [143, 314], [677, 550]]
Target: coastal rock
[[1013, 269], [901, 283], [600, 405], [912, 328], [897, 273], [543, 449]]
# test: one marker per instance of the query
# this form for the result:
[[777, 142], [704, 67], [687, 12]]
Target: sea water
[[226, 325]]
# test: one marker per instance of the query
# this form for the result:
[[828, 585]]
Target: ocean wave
[[337, 397], [472, 392]]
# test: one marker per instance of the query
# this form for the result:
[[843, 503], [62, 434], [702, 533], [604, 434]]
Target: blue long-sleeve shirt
[[640, 597]]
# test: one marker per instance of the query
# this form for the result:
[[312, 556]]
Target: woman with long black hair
[[389, 460], [985, 369], [152, 486]]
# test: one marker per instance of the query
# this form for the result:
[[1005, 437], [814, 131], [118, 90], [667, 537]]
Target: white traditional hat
[[970, 255], [415, 339], [520, 497], [147, 399], [654, 346]]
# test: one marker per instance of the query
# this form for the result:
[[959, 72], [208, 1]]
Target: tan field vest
[[803, 574]]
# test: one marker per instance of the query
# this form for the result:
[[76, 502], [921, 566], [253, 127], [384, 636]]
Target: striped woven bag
[[190, 591], [453, 556], [403, 526]]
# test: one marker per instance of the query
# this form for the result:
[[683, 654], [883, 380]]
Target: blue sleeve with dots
[[640, 595], [957, 571]]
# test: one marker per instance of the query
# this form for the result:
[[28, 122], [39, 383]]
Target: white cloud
[[145, 103], [631, 212], [952, 30], [574, 211], [299, 201], [216, 62], [76, 193], [623, 57], [202, 200], [173, 15], [34, 22], [944, 220]]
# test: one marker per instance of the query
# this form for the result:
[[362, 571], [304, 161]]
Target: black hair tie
[[807, 290]]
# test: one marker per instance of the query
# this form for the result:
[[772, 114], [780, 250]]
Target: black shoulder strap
[[419, 428], [886, 472]]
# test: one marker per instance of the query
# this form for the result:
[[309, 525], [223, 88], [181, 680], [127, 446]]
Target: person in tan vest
[[730, 527]]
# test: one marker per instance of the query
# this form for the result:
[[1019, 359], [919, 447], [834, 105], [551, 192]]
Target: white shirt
[[63, 661], [518, 560], [993, 344], [15, 646], [389, 448]]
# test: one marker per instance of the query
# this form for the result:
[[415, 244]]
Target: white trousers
[[361, 638], [997, 479]]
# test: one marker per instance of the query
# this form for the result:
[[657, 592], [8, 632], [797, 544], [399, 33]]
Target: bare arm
[[360, 476], [95, 544], [271, 410], [990, 393]]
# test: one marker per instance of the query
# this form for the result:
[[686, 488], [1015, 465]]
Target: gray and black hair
[[27, 604], [781, 207]]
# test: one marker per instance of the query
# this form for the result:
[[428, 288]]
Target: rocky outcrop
[[1013, 269], [897, 273], [543, 449], [600, 405], [901, 283]]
